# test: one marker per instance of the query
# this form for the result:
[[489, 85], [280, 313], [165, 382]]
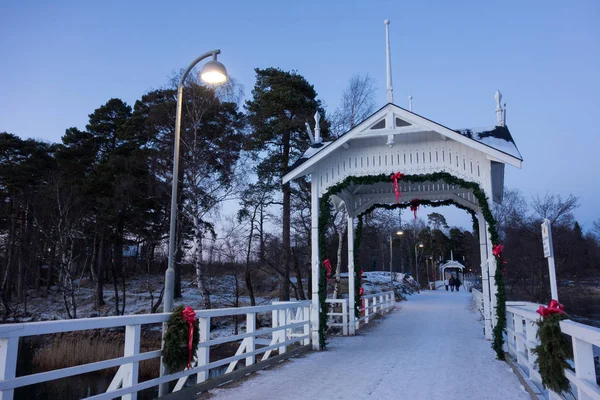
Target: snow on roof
[[310, 152], [496, 137]]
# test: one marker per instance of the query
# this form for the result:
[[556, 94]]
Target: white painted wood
[[485, 279], [203, 352], [583, 356], [584, 337], [306, 326], [314, 218], [351, 291], [250, 328], [117, 380], [132, 348], [9, 348], [345, 317]]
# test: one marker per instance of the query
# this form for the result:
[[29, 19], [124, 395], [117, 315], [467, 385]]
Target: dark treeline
[[96, 205]]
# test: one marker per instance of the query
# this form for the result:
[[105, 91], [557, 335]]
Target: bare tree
[[357, 103], [558, 210]]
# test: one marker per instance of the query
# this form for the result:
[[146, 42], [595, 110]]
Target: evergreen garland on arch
[[324, 217], [357, 269], [175, 350]]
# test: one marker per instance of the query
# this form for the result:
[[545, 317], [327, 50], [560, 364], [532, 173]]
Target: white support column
[[491, 259], [485, 282], [314, 217], [132, 348], [351, 283]]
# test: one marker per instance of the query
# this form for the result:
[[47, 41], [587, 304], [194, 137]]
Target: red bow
[[361, 291], [414, 206], [497, 251], [190, 317], [328, 268], [395, 178], [554, 307]]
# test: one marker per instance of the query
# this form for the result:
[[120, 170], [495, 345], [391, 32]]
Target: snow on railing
[[339, 311], [290, 324], [521, 318], [478, 300]]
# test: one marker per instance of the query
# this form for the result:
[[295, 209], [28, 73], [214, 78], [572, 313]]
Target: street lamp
[[213, 72], [399, 233], [417, 261]]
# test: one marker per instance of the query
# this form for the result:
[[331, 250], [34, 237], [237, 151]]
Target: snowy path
[[432, 347]]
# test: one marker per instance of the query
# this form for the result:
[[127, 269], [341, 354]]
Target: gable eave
[[491, 152], [305, 167]]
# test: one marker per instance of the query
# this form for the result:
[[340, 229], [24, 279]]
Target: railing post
[[531, 329], [520, 346], [510, 330], [282, 316], [9, 348], [306, 319], [366, 310], [250, 328], [583, 357], [132, 348], [381, 305], [345, 317], [203, 353]]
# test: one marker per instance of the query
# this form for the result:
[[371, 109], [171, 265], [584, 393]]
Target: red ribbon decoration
[[327, 265], [414, 206], [554, 307], [361, 292], [497, 251], [395, 178], [190, 317]]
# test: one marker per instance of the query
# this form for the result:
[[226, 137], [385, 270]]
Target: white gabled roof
[[496, 142]]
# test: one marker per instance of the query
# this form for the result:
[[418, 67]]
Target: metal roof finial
[[388, 58], [317, 128], [500, 121]]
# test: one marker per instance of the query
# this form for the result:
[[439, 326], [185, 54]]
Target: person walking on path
[[457, 283], [452, 283], [446, 283]]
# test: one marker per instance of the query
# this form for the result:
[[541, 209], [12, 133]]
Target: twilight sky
[[60, 60]]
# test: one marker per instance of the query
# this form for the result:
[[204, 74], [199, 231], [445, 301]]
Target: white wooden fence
[[521, 332], [339, 311], [478, 300], [290, 324]]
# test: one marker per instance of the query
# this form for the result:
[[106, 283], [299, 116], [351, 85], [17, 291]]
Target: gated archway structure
[[392, 140]]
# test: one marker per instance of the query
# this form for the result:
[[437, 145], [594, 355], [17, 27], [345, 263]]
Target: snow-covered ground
[[432, 347]]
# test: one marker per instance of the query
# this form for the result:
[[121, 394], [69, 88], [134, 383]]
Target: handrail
[[290, 324], [522, 339]]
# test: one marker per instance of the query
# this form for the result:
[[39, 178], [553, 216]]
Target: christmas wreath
[[181, 339], [554, 349]]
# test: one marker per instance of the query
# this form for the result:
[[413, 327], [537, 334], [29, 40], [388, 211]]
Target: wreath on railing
[[181, 339], [554, 349]]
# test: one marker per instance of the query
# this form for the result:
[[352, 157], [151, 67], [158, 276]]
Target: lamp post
[[399, 233], [417, 261], [213, 72]]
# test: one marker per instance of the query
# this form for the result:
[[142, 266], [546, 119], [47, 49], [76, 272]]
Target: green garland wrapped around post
[[357, 269], [500, 328], [179, 350], [554, 349]]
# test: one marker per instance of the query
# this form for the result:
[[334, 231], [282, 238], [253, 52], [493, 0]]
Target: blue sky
[[60, 60]]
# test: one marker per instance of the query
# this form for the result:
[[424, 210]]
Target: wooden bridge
[[431, 346]]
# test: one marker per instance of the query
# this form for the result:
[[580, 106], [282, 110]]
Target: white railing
[[339, 311], [290, 324], [521, 318], [478, 300], [338, 315]]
